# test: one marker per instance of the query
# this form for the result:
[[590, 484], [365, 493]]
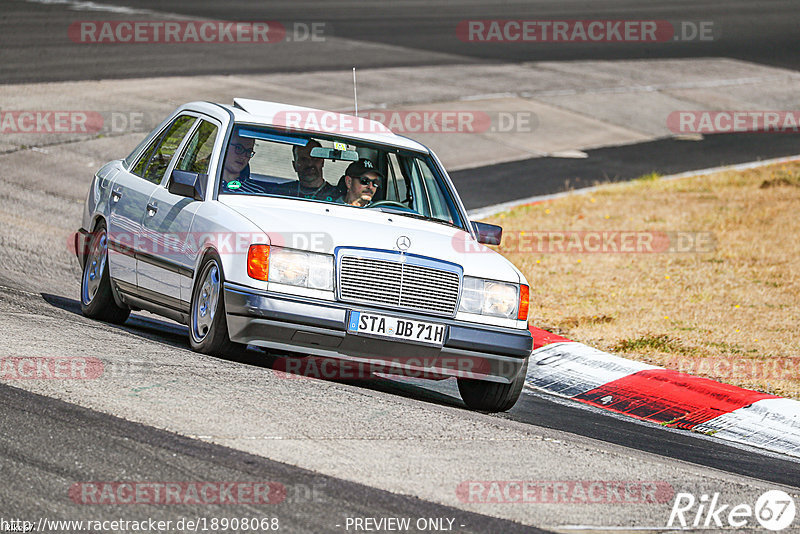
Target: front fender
[[219, 228]]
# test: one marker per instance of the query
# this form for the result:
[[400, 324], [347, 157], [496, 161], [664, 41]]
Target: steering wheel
[[392, 203]]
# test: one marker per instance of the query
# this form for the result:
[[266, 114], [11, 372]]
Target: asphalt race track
[[763, 33], [333, 450], [542, 176], [101, 444]]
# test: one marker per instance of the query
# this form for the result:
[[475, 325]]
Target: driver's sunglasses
[[366, 181], [241, 149]]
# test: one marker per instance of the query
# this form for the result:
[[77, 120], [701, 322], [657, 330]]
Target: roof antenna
[[355, 93]]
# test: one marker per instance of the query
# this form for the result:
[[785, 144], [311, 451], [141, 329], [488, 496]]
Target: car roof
[[311, 120]]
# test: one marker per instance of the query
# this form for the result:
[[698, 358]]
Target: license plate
[[396, 328]]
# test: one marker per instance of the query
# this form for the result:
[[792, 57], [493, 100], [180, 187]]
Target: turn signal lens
[[258, 262], [524, 297]]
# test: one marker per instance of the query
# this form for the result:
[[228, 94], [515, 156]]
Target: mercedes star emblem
[[403, 243]]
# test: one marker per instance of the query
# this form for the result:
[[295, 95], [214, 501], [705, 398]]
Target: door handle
[[151, 209], [115, 196]]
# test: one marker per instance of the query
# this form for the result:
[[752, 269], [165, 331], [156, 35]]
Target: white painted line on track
[[570, 369], [569, 403], [651, 88], [769, 423], [488, 211], [615, 529], [78, 5]]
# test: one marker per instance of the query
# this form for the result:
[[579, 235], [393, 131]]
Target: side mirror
[[488, 234], [188, 184]]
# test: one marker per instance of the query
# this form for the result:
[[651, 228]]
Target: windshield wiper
[[398, 211]]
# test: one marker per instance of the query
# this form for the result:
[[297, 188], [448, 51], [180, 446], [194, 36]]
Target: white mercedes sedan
[[305, 232]]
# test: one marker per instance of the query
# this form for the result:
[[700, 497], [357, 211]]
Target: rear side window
[[156, 158], [197, 155]]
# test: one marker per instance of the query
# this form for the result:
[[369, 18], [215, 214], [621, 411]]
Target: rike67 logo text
[[774, 510]]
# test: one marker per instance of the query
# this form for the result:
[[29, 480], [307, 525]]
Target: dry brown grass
[[732, 314]]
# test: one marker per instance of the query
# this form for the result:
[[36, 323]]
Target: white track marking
[[571, 368], [488, 211]]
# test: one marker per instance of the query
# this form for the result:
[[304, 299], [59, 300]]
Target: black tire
[[208, 327], [491, 396], [97, 299]]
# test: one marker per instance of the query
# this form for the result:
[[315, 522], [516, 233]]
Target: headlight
[[299, 268], [489, 297], [292, 267]]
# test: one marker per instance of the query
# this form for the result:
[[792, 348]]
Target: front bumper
[[298, 324]]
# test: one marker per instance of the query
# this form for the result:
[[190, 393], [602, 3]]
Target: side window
[[438, 204], [421, 202], [156, 158], [428, 197], [138, 169], [396, 185], [129, 161], [197, 156]]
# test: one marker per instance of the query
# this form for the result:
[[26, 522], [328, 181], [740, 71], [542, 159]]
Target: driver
[[362, 181]]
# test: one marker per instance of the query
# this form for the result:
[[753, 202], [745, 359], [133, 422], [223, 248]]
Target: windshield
[[263, 162]]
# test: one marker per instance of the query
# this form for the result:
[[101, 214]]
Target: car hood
[[323, 227]]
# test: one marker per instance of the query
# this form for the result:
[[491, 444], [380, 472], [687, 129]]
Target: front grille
[[398, 285]]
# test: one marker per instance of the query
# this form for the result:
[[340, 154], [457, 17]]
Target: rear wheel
[[492, 396], [97, 300], [208, 327]]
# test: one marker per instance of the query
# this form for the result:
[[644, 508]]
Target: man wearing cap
[[362, 181]]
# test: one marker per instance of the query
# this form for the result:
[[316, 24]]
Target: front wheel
[[97, 301], [492, 396], [208, 327]]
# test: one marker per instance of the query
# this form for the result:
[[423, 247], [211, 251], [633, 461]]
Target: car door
[[166, 224], [128, 202]]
